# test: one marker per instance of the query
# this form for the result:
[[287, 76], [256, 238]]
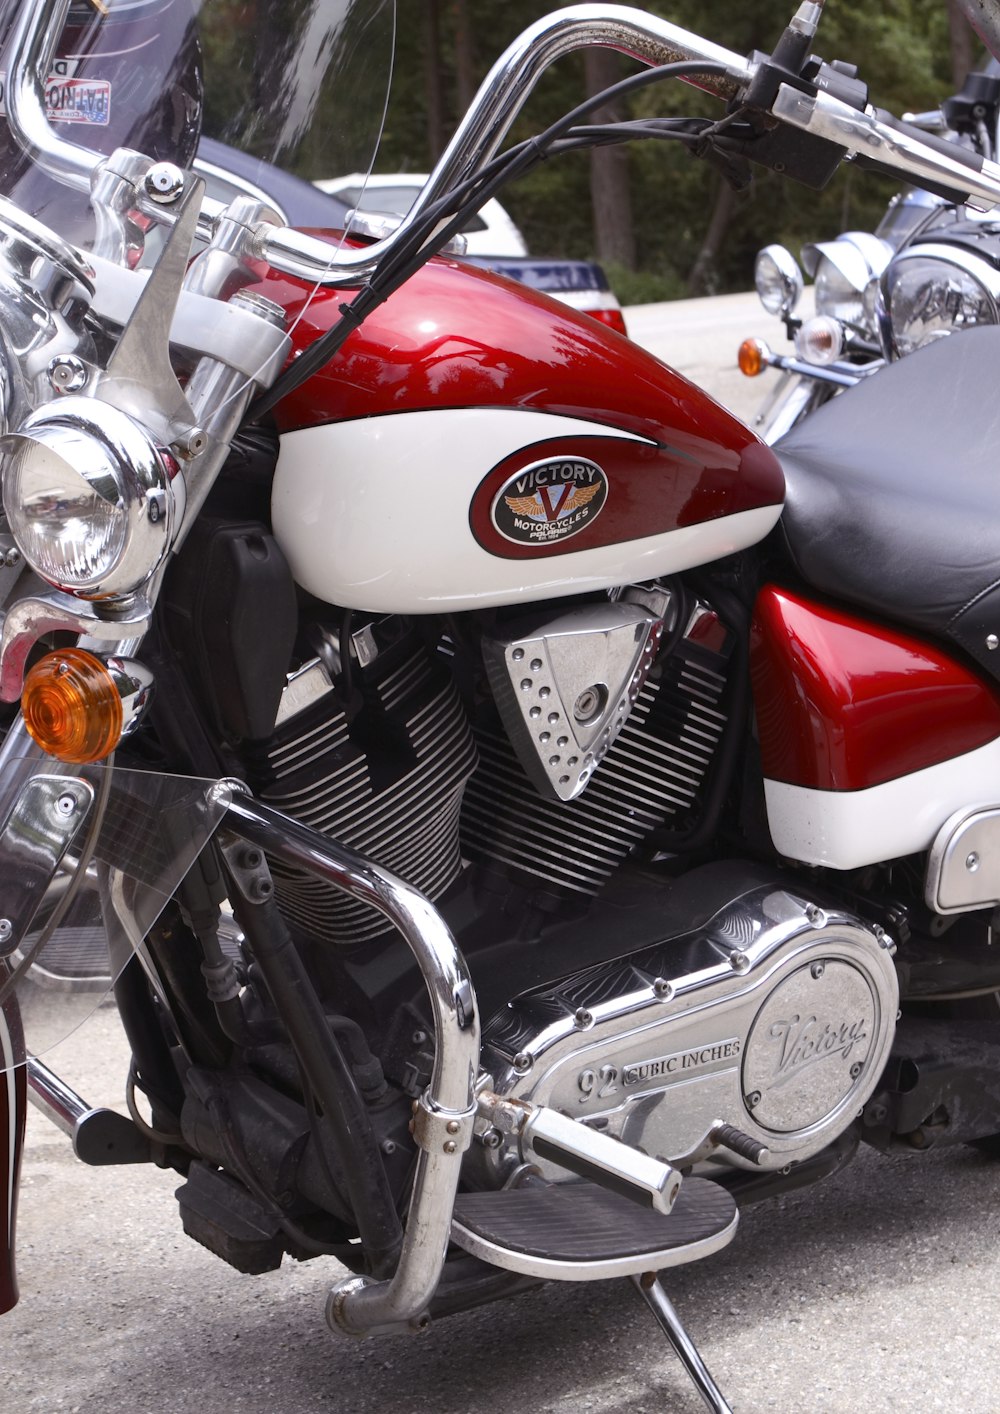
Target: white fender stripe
[[847, 829]]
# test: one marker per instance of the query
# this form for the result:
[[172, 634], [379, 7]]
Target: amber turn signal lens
[[751, 358], [71, 707]]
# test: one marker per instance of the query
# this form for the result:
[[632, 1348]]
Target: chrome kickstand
[[649, 1288]]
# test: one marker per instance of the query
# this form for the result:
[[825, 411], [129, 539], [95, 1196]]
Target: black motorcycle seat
[[893, 499]]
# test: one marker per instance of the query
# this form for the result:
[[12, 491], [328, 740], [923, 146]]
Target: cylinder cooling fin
[[652, 774], [398, 803]]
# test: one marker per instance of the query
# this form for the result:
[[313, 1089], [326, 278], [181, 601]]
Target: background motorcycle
[[928, 270], [615, 861]]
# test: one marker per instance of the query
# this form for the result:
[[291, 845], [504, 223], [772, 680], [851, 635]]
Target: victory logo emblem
[[550, 500]]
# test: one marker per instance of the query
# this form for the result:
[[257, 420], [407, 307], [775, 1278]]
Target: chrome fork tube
[[444, 1115]]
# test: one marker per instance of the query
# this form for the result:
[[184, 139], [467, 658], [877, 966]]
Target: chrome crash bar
[[444, 1116]]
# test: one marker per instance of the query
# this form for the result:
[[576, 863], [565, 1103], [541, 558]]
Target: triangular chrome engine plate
[[565, 688]]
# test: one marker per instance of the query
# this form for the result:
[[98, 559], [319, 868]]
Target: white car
[[490, 231]]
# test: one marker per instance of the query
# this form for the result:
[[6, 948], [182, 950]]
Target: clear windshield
[[89, 858], [258, 99], [255, 94]]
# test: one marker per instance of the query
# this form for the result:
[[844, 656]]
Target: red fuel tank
[[475, 443]]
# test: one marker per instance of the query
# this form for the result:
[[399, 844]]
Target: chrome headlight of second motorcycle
[[88, 497], [778, 280], [844, 271], [931, 291]]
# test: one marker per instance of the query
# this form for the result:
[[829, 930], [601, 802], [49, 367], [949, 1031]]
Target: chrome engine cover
[[779, 1023]]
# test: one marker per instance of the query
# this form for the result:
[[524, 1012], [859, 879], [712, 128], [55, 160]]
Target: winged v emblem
[[553, 502]]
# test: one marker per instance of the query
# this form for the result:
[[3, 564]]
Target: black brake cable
[[424, 240]]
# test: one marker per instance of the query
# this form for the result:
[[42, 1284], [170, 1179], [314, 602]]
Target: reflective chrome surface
[[600, 1269], [134, 684], [500, 98], [115, 455], [357, 1306], [566, 688], [36, 834], [777, 1020], [52, 612], [651, 1291], [904, 152], [778, 280], [544, 1133], [963, 867], [54, 1098], [981, 269]]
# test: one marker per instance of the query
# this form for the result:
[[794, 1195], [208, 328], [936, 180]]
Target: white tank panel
[[373, 514]]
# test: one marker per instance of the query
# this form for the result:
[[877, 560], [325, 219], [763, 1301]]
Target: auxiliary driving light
[[78, 707], [778, 280], [820, 340]]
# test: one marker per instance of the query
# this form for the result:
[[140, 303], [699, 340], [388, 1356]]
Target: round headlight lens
[[927, 299], [86, 498], [71, 529], [778, 279]]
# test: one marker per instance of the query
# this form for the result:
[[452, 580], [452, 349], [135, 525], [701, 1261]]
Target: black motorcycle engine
[[392, 743]]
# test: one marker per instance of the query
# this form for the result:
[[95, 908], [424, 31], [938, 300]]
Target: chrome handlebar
[[498, 101], [500, 98]]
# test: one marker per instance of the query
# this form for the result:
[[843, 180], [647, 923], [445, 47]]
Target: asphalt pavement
[[877, 1290]]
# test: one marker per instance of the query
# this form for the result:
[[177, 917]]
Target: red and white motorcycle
[[559, 817]]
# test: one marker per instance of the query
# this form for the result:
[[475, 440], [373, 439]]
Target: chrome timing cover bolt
[[523, 1062], [588, 704]]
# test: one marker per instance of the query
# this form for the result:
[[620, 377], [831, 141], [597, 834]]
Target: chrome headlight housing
[[88, 497], [931, 291], [842, 271], [778, 280]]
